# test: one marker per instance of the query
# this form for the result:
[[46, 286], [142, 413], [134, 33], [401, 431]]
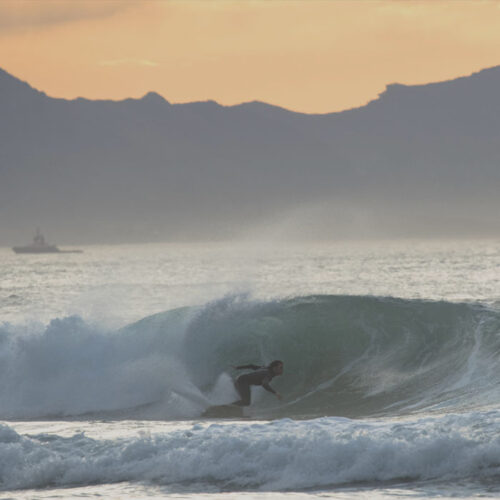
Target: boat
[[39, 245]]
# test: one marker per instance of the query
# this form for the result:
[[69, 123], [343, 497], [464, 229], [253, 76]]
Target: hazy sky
[[305, 55]]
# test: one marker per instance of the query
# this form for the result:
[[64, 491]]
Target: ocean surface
[[391, 386]]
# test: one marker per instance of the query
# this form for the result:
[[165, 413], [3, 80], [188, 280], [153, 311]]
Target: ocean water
[[391, 386]]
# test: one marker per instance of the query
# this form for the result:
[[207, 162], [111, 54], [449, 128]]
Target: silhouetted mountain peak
[[488, 78], [15, 88], [154, 98], [262, 107]]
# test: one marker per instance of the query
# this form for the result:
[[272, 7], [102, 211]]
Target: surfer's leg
[[243, 390]]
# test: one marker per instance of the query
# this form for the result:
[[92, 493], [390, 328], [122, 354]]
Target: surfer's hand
[[278, 395]]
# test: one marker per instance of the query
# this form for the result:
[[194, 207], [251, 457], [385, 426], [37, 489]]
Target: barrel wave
[[344, 356]]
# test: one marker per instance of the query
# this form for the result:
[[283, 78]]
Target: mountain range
[[417, 161]]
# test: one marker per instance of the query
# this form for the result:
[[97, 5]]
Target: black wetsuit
[[261, 376]]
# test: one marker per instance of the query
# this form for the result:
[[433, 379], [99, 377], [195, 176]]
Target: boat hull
[[34, 249]]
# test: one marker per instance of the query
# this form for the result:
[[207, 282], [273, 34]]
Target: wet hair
[[276, 362]]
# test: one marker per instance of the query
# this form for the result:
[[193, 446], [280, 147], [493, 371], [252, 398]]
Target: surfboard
[[223, 411]]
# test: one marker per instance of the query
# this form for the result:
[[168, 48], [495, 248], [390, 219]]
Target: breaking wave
[[273, 456], [344, 356]]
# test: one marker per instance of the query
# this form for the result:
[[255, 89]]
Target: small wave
[[274, 456]]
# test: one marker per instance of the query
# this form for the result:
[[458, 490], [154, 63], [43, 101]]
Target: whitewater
[[391, 387]]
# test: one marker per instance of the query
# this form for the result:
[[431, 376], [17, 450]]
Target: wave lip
[[274, 456]]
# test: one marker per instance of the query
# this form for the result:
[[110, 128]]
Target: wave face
[[344, 356]]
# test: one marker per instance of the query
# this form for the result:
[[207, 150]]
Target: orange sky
[[305, 55]]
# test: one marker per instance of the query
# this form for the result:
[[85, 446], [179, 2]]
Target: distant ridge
[[485, 76], [417, 161]]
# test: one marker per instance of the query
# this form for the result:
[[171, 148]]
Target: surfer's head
[[276, 366]]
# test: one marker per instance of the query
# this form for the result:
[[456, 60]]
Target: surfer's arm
[[248, 367], [268, 388]]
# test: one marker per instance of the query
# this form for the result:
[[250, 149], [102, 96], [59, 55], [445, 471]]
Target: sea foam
[[272, 456]]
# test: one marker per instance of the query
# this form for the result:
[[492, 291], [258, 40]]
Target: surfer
[[261, 375]]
